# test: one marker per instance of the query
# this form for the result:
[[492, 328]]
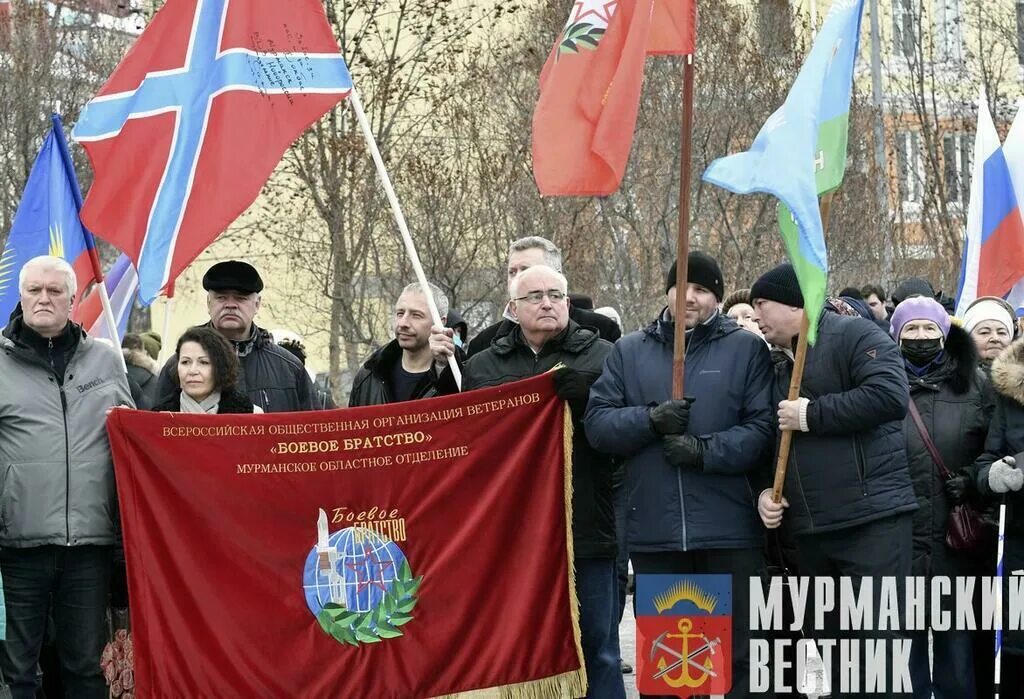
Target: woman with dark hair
[[206, 377]]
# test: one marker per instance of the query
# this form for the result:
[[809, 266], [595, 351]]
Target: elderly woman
[[991, 323], [206, 377], [950, 410], [737, 306]]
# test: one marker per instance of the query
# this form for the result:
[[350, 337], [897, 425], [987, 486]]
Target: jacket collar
[[663, 329], [573, 339], [381, 362], [957, 368]]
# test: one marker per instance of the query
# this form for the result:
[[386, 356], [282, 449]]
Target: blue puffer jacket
[[728, 371], [851, 468]]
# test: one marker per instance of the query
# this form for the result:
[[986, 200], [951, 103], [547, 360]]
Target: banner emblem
[[358, 584], [684, 634]]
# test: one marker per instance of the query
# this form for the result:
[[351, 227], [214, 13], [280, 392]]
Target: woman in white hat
[[990, 322]]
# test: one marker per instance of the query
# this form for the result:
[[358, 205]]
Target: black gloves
[[573, 387], [671, 417], [957, 488], [684, 451]]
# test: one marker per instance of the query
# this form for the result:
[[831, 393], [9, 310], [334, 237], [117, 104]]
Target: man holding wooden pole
[[849, 496], [690, 463]]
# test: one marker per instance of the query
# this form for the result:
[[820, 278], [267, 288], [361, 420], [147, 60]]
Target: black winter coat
[[232, 402], [510, 358], [956, 404], [728, 371], [372, 386], [1006, 438], [851, 468], [272, 377], [604, 326]]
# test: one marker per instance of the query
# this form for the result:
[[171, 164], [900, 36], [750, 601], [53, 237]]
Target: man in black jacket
[[403, 369], [543, 338], [271, 376], [523, 254], [849, 494]]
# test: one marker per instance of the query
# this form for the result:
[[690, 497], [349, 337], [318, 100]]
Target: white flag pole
[[108, 316], [165, 342], [410, 247]]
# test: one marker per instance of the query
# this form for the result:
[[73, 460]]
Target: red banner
[[409, 550]]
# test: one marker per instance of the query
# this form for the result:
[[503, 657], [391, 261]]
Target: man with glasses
[[523, 254], [543, 338], [691, 463]]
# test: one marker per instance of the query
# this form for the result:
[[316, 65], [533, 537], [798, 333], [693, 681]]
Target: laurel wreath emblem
[[381, 622], [581, 34]]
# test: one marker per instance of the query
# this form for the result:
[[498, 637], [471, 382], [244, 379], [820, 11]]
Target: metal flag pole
[[90, 241], [396, 209], [999, 594], [683, 238]]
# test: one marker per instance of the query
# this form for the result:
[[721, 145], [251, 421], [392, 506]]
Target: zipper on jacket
[[679, 471], [860, 466], [67, 466]]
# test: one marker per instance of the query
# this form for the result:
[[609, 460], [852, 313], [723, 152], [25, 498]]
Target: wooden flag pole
[[800, 359], [683, 240]]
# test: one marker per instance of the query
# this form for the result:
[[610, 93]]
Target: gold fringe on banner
[[567, 684]]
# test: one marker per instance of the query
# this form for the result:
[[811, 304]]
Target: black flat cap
[[233, 275]]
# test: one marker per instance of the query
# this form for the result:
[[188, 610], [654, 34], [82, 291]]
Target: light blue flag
[[800, 151]]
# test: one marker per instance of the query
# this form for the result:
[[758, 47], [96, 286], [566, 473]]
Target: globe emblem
[[353, 568]]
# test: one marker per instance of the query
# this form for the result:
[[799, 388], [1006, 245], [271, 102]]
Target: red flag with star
[[590, 90]]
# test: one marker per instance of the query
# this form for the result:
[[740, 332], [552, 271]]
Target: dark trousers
[[597, 591], [75, 580], [742, 564], [952, 671], [880, 548], [621, 500]]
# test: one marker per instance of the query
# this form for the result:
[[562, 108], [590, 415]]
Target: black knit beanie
[[779, 284], [702, 269]]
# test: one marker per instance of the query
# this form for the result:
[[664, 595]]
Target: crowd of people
[[905, 412]]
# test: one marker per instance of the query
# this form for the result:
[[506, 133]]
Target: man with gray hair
[[60, 513], [544, 338], [529, 252], [404, 368]]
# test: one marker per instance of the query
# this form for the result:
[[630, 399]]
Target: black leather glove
[[671, 417], [684, 451], [571, 385], [957, 488]]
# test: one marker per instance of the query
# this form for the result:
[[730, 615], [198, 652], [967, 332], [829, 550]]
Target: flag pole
[[396, 210], [90, 241], [799, 360], [683, 239]]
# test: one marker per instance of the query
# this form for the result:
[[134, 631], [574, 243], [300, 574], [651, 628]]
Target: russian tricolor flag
[[993, 260]]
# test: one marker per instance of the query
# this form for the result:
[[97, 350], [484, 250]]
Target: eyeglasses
[[535, 297]]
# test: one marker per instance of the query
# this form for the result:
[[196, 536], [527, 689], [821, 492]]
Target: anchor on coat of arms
[[685, 659]]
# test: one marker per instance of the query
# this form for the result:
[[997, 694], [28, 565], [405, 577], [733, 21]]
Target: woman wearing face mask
[[206, 377], [954, 405], [990, 321]]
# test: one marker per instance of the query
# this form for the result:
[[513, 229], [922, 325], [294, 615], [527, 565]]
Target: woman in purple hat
[[950, 410]]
